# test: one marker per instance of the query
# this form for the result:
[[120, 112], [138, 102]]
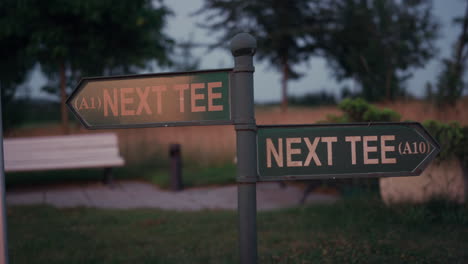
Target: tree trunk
[[63, 99], [458, 65], [388, 86], [284, 86]]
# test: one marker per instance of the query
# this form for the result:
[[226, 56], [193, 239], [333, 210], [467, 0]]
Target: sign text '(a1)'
[[343, 150], [151, 100]]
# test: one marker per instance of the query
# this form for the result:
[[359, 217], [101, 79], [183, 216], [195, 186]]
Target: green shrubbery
[[452, 137], [358, 110]]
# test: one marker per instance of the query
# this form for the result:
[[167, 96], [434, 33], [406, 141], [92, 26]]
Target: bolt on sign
[[350, 150], [148, 100]]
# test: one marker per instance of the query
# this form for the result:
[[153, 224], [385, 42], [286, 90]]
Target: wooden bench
[[63, 152]]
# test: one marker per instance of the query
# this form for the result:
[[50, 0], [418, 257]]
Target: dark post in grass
[[176, 167], [243, 48], [3, 226]]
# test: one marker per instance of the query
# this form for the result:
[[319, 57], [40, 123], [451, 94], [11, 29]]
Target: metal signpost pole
[[3, 229], [243, 48]]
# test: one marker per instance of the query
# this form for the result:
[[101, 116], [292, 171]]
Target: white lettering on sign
[[87, 105], [159, 90], [276, 152], [353, 140], [111, 103], [312, 154], [368, 149], [137, 101], [194, 96], [288, 151], [143, 95], [212, 95], [291, 151], [125, 100], [384, 149], [329, 141], [181, 88]]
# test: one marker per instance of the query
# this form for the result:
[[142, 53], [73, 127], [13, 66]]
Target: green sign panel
[[169, 99], [350, 150]]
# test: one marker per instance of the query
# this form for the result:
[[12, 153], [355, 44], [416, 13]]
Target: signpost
[[3, 218], [343, 150], [282, 152], [151, 100]]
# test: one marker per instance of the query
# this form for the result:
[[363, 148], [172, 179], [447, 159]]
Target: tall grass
[[215, 145]]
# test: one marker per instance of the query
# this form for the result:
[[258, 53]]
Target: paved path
[[137, 194]]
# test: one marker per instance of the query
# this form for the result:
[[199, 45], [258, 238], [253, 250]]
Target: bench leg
[[108, 179], [310, 187]]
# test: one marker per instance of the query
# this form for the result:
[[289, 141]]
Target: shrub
[[462, 149], [452, 138], [358, 110]]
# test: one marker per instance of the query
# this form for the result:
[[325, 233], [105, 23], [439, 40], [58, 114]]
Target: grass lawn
[[192, 176], [350, 231]]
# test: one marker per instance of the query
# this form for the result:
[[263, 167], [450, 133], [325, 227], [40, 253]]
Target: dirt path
[[137, 194]]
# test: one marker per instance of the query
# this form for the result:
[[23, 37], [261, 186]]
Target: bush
[[462, 149], [358, 110], [453, 139], [14, 113]]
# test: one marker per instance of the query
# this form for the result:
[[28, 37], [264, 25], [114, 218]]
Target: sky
[[182, 25], [317, 75]]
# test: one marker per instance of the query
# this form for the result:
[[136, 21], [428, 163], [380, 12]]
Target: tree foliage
[[378, 43], [184, 60], [375, 42], [15, 55], [450, 83], [71, 39], [280, 27], [451, 136], [359, 110]]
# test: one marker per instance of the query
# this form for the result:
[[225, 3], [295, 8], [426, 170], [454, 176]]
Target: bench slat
[[64, 164], [73, 142], [15, 154], [62, 152]]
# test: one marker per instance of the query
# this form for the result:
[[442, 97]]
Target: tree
[[450, 83], [184, 59], [71, 39], [375, 42], [280, 28], [15, 62], [378, 43]]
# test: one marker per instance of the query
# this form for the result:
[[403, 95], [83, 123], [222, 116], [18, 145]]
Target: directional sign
[[340, 151], [169, 99]]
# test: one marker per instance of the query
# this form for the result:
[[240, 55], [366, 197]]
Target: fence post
[[176, 167], [243, 48], [3, 222]]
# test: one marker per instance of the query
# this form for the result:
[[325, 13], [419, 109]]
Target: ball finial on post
[[243, 44]]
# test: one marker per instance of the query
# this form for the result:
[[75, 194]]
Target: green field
[[350, 231]]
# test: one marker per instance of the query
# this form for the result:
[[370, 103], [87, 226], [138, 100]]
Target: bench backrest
[[62, 152]]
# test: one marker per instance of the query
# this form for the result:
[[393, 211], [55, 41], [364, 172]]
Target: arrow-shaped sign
[[343, 150], [168, 99]]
